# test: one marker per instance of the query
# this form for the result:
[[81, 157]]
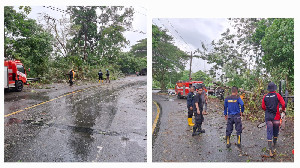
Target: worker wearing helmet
[[72, 75], [198, 108], [107, 76], [233, 113], [190, 102], [270, 104], [100, 74]]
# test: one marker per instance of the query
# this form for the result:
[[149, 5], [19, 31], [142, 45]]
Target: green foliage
[[140, 49], [129, 64], [259, 51], [185, 75], [201, 76], [278, 46], [86, 42], [27, 41], [99, 45]]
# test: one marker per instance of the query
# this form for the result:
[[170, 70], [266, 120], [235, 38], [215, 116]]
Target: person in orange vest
[[72, 75], [243, 95]]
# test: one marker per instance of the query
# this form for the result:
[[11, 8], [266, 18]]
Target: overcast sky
[[139, 21], [193, 32]]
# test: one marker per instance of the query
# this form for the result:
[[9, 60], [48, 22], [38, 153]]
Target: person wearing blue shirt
[[233, 110], [190, 102]]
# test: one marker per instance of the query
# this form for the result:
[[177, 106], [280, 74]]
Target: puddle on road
[[64, 127]]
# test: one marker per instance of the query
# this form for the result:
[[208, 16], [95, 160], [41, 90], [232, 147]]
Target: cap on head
[[271, 87]]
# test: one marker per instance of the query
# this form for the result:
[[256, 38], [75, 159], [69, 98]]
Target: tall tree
[[278, 47], [27, 41], [100, 36], [166, 57], [140, 49], [85, 39]]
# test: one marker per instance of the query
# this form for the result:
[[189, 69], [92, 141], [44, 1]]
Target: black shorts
[[100, 77]]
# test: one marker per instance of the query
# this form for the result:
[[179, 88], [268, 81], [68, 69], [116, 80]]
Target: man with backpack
[[270, 104]]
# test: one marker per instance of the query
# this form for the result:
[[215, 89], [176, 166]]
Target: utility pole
[[191, 66]]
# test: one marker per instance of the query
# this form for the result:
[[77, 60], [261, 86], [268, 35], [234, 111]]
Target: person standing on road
[[72, 75], [204, 100], [270, 103], [233, 113], [107, 76], [100, 74], [190, 102], [198, 108]]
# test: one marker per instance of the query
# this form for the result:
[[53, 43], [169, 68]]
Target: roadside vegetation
[[249, 56], [87, 41]]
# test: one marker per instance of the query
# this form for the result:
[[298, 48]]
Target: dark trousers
[[272, 128], [100, 78], [71, 82], [198, 119], [237, 121], [190, 113]]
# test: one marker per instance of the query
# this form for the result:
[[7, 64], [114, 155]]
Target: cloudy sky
[[193, 32], [138, 24]]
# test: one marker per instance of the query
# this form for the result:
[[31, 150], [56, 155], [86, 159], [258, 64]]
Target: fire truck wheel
[[19, 86]]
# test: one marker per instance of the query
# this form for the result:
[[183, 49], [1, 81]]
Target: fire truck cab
[[182, 88], [15, 75]]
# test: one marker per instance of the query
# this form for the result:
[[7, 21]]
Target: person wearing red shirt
[[270, 104]]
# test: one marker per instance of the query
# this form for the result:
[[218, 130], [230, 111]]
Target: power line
[[178, 33], [57, 9], [172, 34]]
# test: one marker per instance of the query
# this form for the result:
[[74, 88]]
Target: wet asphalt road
[[174, 141], [105, 123]]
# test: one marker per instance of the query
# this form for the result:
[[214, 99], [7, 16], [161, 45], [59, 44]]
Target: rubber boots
[[270, 148], [194, 131], [239, 141], [190, 122], [200, 130], [274, 141], [228, 144]]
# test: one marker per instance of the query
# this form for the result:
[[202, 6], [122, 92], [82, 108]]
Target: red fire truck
[[14, 75], [182, 87]]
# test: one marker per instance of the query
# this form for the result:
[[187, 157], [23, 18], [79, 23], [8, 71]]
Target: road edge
[[155, 125]]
